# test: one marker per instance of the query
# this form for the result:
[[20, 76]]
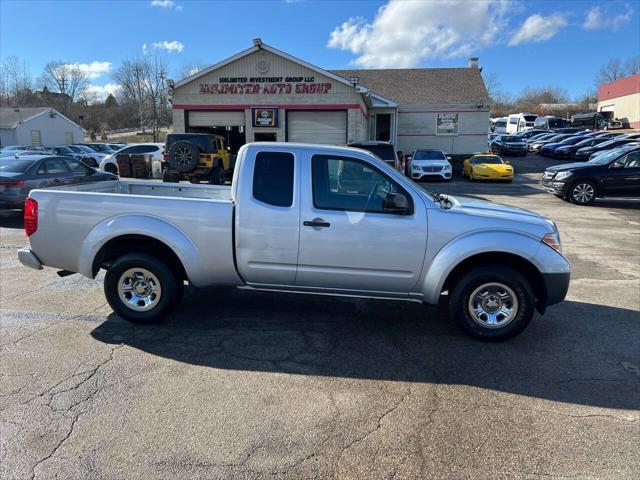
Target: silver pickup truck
[[305, 218]]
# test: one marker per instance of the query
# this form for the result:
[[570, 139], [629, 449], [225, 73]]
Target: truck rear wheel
[[140, 288], [492, 303]]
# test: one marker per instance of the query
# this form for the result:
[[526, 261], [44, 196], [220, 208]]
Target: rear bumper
[[556, 286], [29, 259]]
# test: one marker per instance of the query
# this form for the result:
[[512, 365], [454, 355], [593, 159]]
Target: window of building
[[36, 138], [273, 178]]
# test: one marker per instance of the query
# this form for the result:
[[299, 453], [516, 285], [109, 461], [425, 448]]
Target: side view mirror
[[396, 203], [617, 165]]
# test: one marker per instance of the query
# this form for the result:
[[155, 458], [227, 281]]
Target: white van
[[519, 122], [500, 125]]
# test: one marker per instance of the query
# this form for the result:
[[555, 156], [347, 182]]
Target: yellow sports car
[[487, 167]]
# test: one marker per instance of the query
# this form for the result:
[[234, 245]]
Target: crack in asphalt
[[77, 416]]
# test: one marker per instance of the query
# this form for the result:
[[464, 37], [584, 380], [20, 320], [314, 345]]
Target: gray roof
[[9, 118], [423, 86]]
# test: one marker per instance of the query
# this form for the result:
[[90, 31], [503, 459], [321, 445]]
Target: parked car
[[632, 136], [433, 164], [509, 144], [539, 143], [99, 147], [584, 153], [568, 151], [88, 152], [549, 149], [286, 224], [110, 163], [65, 151], [487, 167], [595, 120], [490, 138], [18, 176], [540, 136], [117, 146], [614, 174], [385, 151], [518, 122], [524, 135], [196, 157]]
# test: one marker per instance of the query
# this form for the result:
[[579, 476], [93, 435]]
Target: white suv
[[110, 165], [429, 164]]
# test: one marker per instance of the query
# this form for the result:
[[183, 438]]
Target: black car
[[613, 174], [585, 152], [65, 151], [383, 150], [18, 176], [549, 149], [567, 151], [530, 133], [508, 144]]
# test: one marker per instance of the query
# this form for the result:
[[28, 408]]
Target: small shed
[[37, 126]]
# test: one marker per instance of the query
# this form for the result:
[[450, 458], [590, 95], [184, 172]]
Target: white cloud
[[402, 34], [538, 28], [100, 92], [166, 4], [595, 19], [169, 46], [93, 69]]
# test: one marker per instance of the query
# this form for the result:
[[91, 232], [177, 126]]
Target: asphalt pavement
[[240, 384]]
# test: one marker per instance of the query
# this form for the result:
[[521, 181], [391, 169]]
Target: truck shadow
[[578, 352]]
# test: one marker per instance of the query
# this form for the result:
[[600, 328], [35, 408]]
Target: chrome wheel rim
[[493, 305], [183, 156], [583, 192], [139, 289]]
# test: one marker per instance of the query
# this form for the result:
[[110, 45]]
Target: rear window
[[429, 155], [14, 166], [273, 178]]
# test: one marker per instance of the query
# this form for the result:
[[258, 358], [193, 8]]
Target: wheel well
[[510, 260], [122, 245]]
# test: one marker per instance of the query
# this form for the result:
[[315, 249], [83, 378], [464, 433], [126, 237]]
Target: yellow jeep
[[196, 157]]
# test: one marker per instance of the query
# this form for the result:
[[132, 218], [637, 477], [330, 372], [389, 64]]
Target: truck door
[[349, 241], [267, 215]]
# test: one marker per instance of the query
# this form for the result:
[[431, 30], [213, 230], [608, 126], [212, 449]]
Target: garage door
[[317, 127], [216, 119]]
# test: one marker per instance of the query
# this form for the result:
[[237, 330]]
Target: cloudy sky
[[524, 43]]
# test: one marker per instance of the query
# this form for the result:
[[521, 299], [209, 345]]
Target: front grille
[[432, 169]]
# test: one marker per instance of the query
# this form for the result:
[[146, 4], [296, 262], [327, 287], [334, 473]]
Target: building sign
[[447, 124], [265, 86], [265, 117]]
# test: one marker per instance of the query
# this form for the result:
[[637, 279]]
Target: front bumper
[[418, 175], [557, 188], [514, 151], [556, 286], [29, 259]]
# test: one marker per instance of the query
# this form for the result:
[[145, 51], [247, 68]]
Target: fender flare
[[145, 225], [466, 246]]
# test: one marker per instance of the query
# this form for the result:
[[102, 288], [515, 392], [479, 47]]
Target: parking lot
[[245, 384]]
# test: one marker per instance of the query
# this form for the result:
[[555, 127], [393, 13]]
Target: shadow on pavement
[[576, 353], [12, 221]]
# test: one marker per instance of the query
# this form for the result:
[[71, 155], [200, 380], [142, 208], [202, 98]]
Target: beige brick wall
[[624, 108]]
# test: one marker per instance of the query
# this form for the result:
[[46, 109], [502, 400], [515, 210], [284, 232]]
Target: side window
[[343, 183], [53, 166], [77, 167], [273, 178], [632, 160]]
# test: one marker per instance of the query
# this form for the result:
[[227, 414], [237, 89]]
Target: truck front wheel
[[140, 288], [492, 303]]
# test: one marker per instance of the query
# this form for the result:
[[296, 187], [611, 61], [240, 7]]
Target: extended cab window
[[273, 178], [343, 183]]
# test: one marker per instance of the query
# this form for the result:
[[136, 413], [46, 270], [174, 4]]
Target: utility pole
[[138, 73]]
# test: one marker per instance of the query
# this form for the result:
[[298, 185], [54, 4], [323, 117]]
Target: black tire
[[582, 192], [460, 309], [166, 281], [170, 177], [216, 175], [111, 168], [184, 156]]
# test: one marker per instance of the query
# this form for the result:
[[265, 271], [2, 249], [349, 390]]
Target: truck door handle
[[316, 222]]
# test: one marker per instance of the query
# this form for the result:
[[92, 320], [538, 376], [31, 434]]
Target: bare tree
[[142, 81], [190, 68], [64, 78], [632, 66], [15, 81], [610, 72]]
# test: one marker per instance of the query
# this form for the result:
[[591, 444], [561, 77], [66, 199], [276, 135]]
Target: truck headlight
[[562, 175]]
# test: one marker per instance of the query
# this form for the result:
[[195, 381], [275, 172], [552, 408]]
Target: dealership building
[[622, 97], [264, 94]]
